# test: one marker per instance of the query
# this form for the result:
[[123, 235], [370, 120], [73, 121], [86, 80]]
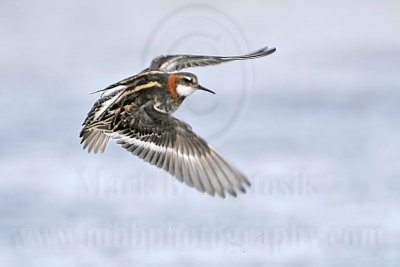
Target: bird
[[138, 113]]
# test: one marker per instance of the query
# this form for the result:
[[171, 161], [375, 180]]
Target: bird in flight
[[137, 113]]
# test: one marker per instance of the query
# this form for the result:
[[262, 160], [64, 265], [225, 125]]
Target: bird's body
[[137, 112]]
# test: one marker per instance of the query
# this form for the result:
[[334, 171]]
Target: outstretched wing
[[172, 63], [170, 144]]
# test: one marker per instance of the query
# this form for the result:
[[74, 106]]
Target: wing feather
[[172, 63], [171, 144]]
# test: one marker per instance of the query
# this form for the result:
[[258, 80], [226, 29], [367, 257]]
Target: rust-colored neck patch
[[172, 85]]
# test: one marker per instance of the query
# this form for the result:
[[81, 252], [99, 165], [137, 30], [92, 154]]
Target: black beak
[[199, 87]]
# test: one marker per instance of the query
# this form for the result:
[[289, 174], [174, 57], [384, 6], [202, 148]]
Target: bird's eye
[[188, 79]]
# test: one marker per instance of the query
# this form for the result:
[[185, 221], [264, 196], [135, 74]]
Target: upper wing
[[170, 144], [177, 62]]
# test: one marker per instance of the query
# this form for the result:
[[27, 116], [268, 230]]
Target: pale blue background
[[314, 126]]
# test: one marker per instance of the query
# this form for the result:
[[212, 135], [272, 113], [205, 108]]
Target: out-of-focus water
[[314, 126]]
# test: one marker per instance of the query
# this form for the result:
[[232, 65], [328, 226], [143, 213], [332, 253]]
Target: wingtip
[[267, 51], [262, 52]]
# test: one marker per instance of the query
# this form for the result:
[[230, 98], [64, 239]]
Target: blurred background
[[314, 126]]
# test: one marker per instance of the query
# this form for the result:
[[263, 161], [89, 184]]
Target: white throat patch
[[183, 90]]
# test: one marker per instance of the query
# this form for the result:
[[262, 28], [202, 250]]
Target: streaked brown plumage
[[137, 112]]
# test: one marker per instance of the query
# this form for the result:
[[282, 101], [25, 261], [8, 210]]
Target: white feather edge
[[106, 104], [152, 146], [113, 90]]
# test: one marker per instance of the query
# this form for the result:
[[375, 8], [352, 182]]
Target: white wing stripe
[[113, 90], [209, 172], [105, 105]]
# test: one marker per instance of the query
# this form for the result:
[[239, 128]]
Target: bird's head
[[183, 84]]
